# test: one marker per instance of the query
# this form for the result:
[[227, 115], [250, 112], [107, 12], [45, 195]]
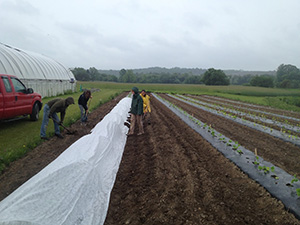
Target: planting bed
[[285, 124], [171, 175], [250, 106], [282, 154], [289, 133], [255, 109]]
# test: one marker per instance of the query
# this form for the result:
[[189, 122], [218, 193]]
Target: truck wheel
[[35, 112]]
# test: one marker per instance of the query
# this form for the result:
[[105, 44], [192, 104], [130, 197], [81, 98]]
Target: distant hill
[[191, 71], [245, 72]]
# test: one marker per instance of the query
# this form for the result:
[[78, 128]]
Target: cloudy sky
[[130, 34]]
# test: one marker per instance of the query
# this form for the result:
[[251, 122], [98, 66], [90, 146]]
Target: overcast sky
[[130, 34]]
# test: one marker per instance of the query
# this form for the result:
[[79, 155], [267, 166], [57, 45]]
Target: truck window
[[19, 86], [7, 84]]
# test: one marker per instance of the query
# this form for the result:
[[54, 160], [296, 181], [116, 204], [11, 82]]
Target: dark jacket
[[60, 105], [137, 103], [82, 100]]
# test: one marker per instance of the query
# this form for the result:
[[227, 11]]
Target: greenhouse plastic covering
[[75, 188], [44, 75], [30, 65]]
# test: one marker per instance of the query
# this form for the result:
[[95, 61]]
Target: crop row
[[235, 112], [282, 134], [279, 116], [258, 108]]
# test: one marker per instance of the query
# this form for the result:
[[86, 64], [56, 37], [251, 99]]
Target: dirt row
[[171, 175], [282, 154]]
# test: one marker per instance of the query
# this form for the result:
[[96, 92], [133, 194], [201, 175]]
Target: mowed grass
[[19, 137]]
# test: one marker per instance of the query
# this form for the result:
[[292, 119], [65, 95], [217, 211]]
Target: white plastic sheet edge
[[75, 188]]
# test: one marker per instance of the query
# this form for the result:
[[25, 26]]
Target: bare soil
[[169, 175]]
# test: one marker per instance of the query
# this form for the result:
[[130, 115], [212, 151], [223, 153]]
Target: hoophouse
[[44, 75]]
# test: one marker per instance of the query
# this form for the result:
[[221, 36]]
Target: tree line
[[287, 76]]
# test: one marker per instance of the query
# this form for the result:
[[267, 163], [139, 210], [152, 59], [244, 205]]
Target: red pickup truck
[[17, 100]]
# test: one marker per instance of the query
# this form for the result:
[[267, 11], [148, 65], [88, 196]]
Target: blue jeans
[[83, 114], [46, 121]]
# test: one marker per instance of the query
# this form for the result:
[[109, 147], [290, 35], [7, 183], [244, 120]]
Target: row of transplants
[[286, 132], [233, 145], [256, 109], [253, 111]]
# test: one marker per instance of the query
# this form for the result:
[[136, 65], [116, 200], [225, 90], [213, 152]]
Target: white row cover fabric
[[75, 188]]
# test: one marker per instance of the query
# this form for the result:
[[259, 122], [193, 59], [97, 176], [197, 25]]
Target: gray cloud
[[21, 7], [232, 34]]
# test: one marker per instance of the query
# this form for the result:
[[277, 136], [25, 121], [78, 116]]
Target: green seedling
[[236, 146], [256, 160], [298, 191], [294, 179], [275, 177], [266, 169], [272, 169], [213, 133], [240, 151]]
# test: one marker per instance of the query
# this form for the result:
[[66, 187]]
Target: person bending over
[[54, 106]]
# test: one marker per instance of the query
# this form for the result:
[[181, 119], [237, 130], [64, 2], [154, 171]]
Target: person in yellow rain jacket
[[146, 106]]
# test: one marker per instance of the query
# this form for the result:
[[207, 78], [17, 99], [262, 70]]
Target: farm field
[[171, 175], [270, 148]]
